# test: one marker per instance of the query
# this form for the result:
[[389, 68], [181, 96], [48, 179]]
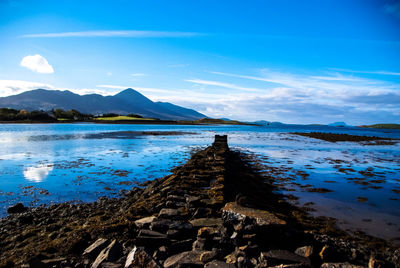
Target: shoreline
[[215, 208]]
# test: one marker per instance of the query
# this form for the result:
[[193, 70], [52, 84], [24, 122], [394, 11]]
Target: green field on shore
[[121, 117]]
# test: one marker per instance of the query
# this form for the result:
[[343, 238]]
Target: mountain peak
[[128, 91]]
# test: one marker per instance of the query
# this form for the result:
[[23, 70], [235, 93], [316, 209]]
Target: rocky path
[[215, 211]]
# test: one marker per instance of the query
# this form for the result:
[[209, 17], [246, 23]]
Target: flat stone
[[151, 233], [94, 249], [277, 257], [236, 213], [109, 254], [151, 238], [206, 222], [187, 259], [144, 222], [139, 258], [160, 225], [169, 213]]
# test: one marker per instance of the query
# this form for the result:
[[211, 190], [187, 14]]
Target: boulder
[[235, 213], [17, 208]]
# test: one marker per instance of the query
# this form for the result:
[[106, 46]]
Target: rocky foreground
[[215, 211]]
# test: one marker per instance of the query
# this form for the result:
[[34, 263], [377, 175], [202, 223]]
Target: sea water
[[41, 164]]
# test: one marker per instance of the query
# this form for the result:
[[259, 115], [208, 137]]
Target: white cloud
[[129, 33], [138, 74], [37, 64], [222, 84], [37, 173]]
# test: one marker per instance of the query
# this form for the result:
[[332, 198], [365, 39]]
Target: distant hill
[[267, 123], [128, 101], [339, 124], [387, 126]]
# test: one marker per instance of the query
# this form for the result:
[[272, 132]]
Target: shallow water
[[49, 163]]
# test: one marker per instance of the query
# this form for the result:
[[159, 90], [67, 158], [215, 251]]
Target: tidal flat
[[352, 182]]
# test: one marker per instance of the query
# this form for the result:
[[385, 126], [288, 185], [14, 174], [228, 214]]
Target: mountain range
[[128, 101]]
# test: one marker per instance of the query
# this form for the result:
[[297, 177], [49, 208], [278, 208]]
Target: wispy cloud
[[124, 33], [294, 98], [222, 84], [12, 87], [366, 72], [138, 74]]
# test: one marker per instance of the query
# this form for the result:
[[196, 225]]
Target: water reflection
[[37, 173]]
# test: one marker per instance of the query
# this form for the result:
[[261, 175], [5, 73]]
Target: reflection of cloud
[[38, 173]]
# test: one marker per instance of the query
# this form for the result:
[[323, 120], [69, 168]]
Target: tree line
[[7, 114]]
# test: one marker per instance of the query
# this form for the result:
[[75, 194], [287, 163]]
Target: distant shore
[[135, 122]]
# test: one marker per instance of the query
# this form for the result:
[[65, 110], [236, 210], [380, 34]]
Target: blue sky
[[291, 61]]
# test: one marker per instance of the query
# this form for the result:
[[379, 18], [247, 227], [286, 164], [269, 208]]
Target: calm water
[[49, 163]]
